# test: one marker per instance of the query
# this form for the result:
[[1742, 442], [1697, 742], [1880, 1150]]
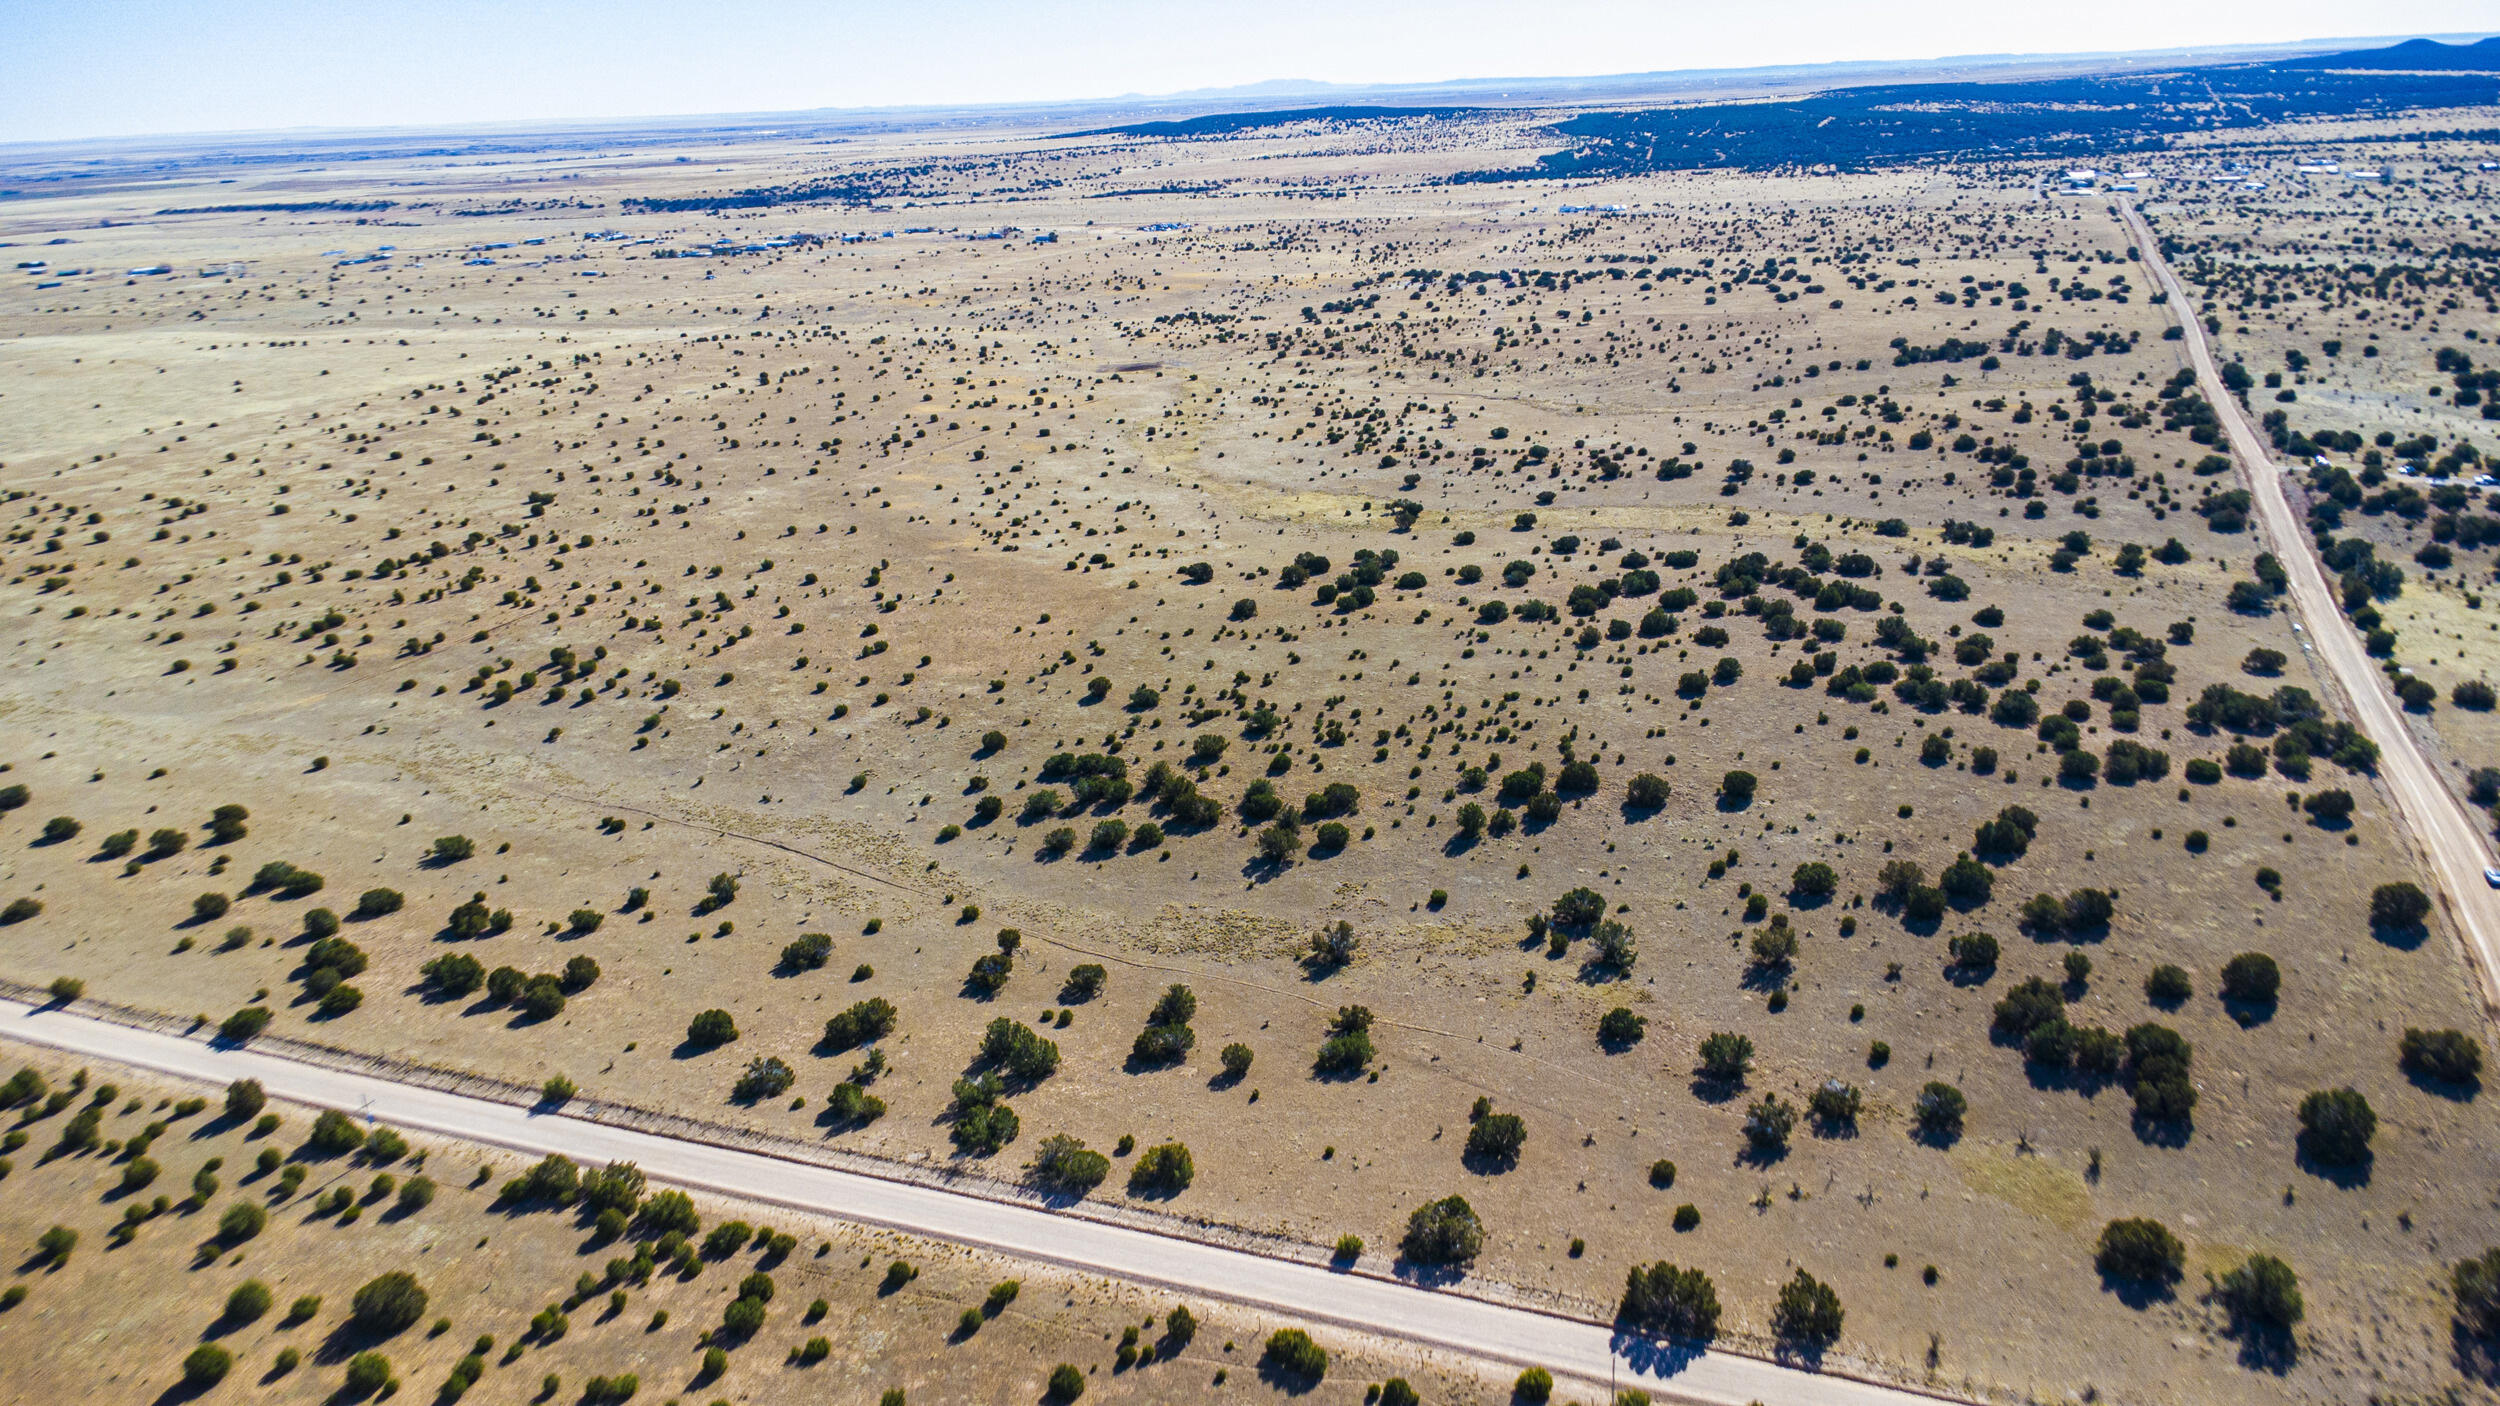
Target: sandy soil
[[835, 510]]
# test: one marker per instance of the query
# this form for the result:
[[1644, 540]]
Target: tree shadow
[[2249, 1014], [1761, 1155], [1279, 1378], [2162, 1132], [2403, 939], [2453, 1091], [2345, 1176], [1652, 1356], [2264, 1347], [1711, 1089], [2477, 1357], [2138, 1294], [1805, 1353], [1459, 844], [1428, 1276]]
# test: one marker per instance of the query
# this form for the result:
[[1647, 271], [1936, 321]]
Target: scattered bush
[[1291, 1352], [711, 1029], [1668, 1302], [2449, 1056], [2336, 1126], [1940, 1109], [2262, 1292], [1496, 1138], [2476, 1284], [334, 1134], [1443, 1232], [248, 1301], [240, 1222], [865, 1022], [1162, 1170], [1066, 1163], [765, 1077], [207, 1365], [367, 1373], [1807, 1312], [389, 1304], [2398, 906], [1725, 1057], [377, 903], [2139, 1250], [2252, 977], [1620, 1029], [1769, 1122], [2167, 985]]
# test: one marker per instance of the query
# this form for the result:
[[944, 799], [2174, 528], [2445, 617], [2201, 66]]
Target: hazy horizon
[[125, 68]]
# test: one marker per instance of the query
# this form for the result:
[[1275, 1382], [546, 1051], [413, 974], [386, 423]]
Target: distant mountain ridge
[[2414, 55]]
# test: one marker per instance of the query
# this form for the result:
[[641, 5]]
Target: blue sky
[[81, 68]]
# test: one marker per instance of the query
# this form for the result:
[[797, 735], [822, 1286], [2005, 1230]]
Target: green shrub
[[1162, 1170], [388, 1304], [1067, 1164], [1291, 1352], [2251, 976], [2450, 1056], [248, 1301], [2398, 905], [1535, 1386], [367, 1373], [1726, 1057], [2262, 1292], [1496, 1138], [1066, 1383], [2139, 1249], [1446, 1231], [240, 1222], [866, 1021], [53, 1246], [334, 1134], [2336, 1126], [711, 1029], [1768, 1124], [1668, 1302], [1808, 1311], [2476, 1284], [1620, 1028], [1940, 1109], [377, 903], [244, 1099], [206, 1366], [244, 1024]]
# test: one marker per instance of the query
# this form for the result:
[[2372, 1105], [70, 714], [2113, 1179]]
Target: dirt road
[[1311, 1293], [2449, 834]]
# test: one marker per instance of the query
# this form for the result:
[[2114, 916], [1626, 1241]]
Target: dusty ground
[[835, 510], [120, 1317]]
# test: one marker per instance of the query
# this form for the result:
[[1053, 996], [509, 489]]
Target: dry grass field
[[974, 558], [504, 1282]]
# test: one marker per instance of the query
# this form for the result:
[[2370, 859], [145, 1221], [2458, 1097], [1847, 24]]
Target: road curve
[[2449, 835], [1390, 1308]]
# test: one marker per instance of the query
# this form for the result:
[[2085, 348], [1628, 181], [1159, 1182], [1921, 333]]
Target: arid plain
[[1166, 552]]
